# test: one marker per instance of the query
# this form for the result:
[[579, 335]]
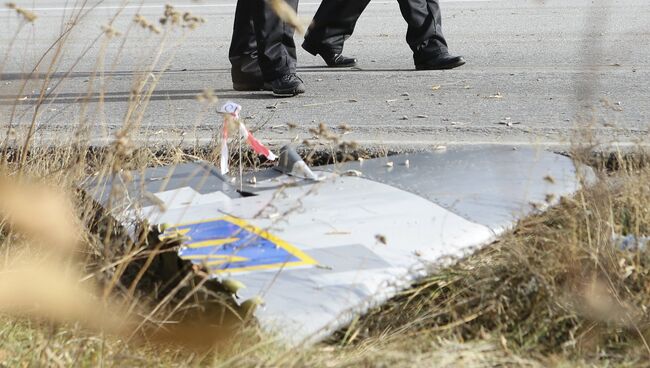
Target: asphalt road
[[537, 71]]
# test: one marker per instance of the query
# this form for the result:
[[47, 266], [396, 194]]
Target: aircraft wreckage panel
[[198, 178], [494, 186], [321, 252], [341, 242]]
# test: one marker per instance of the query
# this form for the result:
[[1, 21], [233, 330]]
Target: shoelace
[[291, 76]]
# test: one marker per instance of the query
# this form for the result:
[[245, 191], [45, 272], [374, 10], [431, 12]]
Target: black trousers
[[262, 44], [334, 23]]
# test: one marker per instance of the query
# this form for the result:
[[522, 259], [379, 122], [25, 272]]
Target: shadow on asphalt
[[158, 95], [117, 73]]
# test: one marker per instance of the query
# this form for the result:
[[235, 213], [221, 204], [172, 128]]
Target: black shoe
[[338, 60], [288, 85], [441, 61], [332, 59]]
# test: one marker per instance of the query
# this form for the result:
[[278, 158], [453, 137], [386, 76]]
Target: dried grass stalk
[[288, 15]]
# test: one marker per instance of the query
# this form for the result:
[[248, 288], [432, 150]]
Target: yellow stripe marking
[[304, 259], [227, 259], [216, 259], [212, 243], [175, 233]]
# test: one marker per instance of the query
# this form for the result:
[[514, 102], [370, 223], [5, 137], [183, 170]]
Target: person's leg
[[245, 72], [424, 25], [333, 23], [424, 35], [276, 49]]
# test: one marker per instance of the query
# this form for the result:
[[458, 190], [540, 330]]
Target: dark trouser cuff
[[320, 48], [428, 52]]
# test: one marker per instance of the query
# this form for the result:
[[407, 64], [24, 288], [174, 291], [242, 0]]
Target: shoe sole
[[342, 66], [443, 67], [250, 87], [287, 93]]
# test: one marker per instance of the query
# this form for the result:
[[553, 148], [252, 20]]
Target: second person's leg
[[276, 49], [275, 45], [424, 35], [333, 23]]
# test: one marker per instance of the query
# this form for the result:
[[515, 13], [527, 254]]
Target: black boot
[[288, 85]]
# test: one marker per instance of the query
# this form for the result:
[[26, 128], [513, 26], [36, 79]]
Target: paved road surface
[[534, 68]]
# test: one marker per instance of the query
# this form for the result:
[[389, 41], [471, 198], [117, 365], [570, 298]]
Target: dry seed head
[[232, 123], [249, 306], [287, 14], [171, 15], [192, 21], [549, 179], [347, 146], [127, 176], [194, 18], [110, 31], [141, 21], [185, 20], [27, 15], [207, 95], [324, 133], [232, 286], [154, 29], [122, 145]]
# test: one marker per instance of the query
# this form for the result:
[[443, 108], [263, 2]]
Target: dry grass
[[556, 290], [76, 291]]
